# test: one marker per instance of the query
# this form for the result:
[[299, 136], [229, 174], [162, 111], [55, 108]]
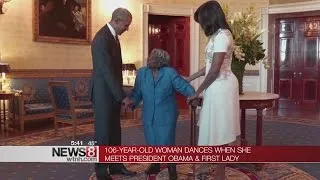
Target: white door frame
[[279, 9], [172, 10]]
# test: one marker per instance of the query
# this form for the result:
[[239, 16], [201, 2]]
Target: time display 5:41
[[76, 143]]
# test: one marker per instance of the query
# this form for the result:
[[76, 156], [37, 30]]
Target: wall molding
[[294, 7], [49, 73]]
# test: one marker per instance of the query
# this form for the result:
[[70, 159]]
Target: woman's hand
[[192, 98], [194, 103]]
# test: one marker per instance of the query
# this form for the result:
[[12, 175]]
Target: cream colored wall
[[18, 48]]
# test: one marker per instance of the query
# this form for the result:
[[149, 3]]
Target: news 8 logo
[[91, 151], [86, 151]]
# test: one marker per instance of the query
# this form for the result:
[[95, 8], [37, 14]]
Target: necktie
[[117, 39]]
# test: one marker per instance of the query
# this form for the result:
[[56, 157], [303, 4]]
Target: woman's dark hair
[[211, 17]]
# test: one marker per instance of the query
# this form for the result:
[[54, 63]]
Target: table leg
[[0, 117], [12, 118], [243, 128], [13, 115], [259, 128], [4, 115]]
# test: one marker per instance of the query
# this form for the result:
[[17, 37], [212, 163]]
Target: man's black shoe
[[154, 168], [122, 171], [104, 177]]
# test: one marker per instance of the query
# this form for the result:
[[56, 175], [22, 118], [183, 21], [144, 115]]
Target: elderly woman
[[156, 85]]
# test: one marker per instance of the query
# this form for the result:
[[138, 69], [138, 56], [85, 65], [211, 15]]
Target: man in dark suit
[[107, 90]]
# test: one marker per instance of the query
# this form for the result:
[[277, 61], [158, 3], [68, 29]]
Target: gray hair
[[160, 56], [121, 14]]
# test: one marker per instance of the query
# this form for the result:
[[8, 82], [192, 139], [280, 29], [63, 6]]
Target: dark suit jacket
[[107, 89], [107, 63]]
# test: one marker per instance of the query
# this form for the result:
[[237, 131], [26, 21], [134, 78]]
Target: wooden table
[[4, 96], [258, 101]]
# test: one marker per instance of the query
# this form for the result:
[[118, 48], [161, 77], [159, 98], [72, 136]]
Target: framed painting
[[62, 21]]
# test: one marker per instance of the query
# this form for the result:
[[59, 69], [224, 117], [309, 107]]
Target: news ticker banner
[[160, 154]]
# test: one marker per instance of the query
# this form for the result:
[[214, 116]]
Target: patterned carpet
[[277, 131], [233, 172]]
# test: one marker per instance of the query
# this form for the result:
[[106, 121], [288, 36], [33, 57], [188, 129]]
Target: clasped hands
[[194, 100], [128, 103]]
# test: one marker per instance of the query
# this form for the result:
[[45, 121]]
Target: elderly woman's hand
[[128, 103]]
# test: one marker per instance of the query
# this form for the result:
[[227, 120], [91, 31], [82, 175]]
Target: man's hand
[[127, 103]]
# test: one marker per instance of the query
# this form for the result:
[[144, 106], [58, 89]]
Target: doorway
[[172, 33], [297, 66]]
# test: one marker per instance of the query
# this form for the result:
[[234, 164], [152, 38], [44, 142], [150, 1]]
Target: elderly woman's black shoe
[[154, 168]]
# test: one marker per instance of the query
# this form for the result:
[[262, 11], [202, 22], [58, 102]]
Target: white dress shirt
[[113, 32]]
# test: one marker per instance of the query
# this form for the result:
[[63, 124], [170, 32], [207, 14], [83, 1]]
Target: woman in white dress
[[219, 122]]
